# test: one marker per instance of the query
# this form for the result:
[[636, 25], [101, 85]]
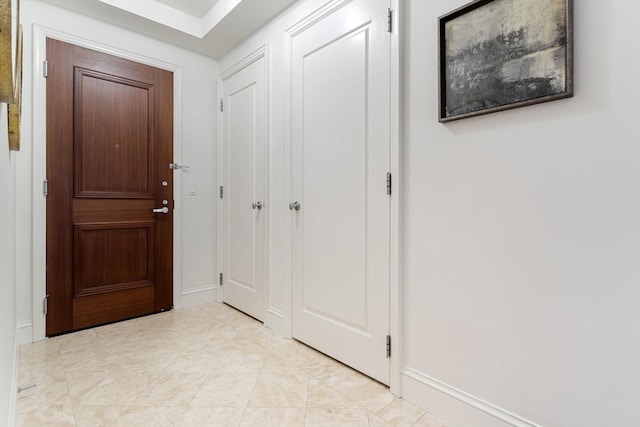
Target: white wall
[[521, 238], [195, 138], [520, 291], [8, 335]]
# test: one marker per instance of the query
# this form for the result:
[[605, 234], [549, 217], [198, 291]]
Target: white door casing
[[340, 156], [244, 187]]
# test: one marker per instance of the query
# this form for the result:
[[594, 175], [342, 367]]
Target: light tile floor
[[208, 365]]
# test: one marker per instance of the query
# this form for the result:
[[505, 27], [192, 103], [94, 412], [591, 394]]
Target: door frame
[[39, 174], [395, 221], [259, 53]]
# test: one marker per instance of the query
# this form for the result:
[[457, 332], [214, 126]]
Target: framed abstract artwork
[[501, 54]]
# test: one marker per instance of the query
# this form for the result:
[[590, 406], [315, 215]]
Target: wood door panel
[[123, 304], [109, 146], [112, 139], [108, 210], [111, 257]]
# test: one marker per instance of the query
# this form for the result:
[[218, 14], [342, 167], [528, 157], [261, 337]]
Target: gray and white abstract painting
[[504, 52]]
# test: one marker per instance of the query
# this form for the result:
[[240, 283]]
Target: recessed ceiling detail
[[196, 8], [209, 27], [179, 15]]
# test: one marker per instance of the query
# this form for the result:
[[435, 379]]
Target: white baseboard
[[455, 406], [25, 332], [199, 296], [275, 320]]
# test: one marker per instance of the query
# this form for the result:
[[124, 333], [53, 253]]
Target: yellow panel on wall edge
[[15, 109], [6, 54]]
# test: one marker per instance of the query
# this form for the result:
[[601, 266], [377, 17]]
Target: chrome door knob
[[294, 206], [164, 210], [256, 205]]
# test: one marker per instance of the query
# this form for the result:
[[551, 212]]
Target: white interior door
[[340, 159], [244, 139]]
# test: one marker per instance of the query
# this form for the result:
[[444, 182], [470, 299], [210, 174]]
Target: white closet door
[[340, 159], [244, 190]]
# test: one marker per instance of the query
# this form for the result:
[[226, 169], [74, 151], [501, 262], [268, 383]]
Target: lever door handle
[[164, 210], [256, 205], [294, 206]]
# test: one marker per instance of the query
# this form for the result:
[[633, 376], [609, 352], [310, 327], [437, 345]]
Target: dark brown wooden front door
[[109, 146]]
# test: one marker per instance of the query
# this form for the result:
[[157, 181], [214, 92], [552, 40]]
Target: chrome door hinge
[[45, 188], [221, 277], [388, 346], [45, 305], [45, 69], [221, 191], [221, 104], [389, 20], [388, 183]]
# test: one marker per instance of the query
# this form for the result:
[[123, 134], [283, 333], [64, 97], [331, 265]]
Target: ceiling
[[209, 27]]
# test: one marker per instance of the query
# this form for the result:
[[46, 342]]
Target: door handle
[[256, 205], [294, 206], [164, 210]]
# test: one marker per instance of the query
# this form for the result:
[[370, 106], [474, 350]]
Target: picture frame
[[9, 23], [497, 55]]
